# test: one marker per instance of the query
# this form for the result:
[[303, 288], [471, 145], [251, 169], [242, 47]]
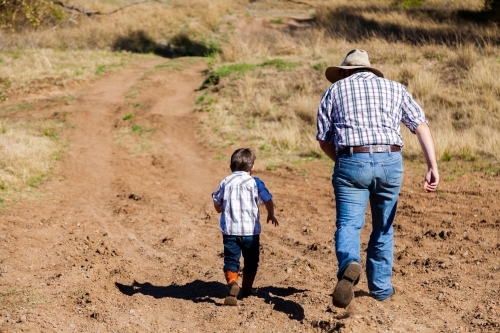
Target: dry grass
[[28, 151], [32, 69], [452, 77], [79, 48]]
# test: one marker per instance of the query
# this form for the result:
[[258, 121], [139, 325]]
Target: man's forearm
[[427, 144]]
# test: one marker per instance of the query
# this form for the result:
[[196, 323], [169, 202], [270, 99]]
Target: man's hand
[[431, 180], [329, 149], [273, 220]]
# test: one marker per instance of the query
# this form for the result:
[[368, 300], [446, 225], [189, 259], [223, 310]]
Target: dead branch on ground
[[98, 12]]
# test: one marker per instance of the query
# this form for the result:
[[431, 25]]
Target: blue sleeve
[[264, 195], [218, 195]]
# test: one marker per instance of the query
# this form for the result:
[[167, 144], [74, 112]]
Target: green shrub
[[280, 64], [16, 15], [407, 4]]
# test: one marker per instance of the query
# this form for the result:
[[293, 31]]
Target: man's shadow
[[202, 291]]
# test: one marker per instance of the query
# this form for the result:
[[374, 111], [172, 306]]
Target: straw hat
[[354, 59]]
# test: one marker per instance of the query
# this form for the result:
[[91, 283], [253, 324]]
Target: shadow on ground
[[196, 291], [180, 45], [274, 295], [448, 28], [201, 291]]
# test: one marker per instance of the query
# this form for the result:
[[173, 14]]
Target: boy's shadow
[[202, 291], [273, 295]]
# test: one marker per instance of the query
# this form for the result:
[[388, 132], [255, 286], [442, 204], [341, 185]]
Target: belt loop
[[389, 149], [351, 151], [371, 150]]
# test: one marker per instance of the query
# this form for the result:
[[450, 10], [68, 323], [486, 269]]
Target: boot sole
[[343, 292], [232, 294]]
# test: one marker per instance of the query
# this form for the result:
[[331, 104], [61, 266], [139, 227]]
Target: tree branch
[[98, 12]]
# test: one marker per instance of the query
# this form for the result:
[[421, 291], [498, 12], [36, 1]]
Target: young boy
[[237, 198]]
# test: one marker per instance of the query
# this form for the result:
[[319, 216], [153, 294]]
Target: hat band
[[351, 64]]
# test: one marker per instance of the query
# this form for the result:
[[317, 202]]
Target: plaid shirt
[[239, 195], [364, 109]]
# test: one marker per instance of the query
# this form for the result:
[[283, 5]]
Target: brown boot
[[246, 286], [232, 288]]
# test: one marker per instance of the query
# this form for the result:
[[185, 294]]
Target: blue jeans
[[235, 246], [357, 179]]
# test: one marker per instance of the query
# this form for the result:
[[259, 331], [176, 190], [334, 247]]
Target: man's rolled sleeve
[[323, 124], [412, 113]]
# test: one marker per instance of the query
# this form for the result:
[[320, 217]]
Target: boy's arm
[[218, 208], [217, 198], [270, 212]]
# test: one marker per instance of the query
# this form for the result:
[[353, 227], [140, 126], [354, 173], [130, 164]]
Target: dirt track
[[125, 239]]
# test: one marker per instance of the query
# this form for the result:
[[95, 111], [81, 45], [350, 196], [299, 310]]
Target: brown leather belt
[[366, 149]]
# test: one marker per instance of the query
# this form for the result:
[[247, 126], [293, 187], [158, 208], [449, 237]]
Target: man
[[358, 123]]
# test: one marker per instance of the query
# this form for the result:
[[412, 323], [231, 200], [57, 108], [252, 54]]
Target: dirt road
[[124, 238]]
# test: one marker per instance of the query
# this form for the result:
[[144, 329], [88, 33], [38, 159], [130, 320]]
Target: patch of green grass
[[466, 154], [101, 69], [17, 299], [265, 147], [136, 105], [312, 154], [128, 116], [447, 156], [137, 129], [272, 167], [448, 179], [50, 132], [235, 70], [14, 108], [5, 82], [408, 4], [35, 181], [204, 103], [177, 63], [320, 66], [277, 21], [132, 94], [458, 170], [280, 64], [213, 47]]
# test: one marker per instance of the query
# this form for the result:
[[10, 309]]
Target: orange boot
[[246, 285], [232, 286]]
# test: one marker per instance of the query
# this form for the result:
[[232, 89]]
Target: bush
[[16, 15]]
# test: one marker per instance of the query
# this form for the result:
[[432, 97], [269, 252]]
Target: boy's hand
[[273, 220], [218, 208]]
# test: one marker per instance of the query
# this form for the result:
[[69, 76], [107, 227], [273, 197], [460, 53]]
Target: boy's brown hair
[[242, 160]]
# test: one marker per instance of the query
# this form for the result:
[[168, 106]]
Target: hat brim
[[333, 73]]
